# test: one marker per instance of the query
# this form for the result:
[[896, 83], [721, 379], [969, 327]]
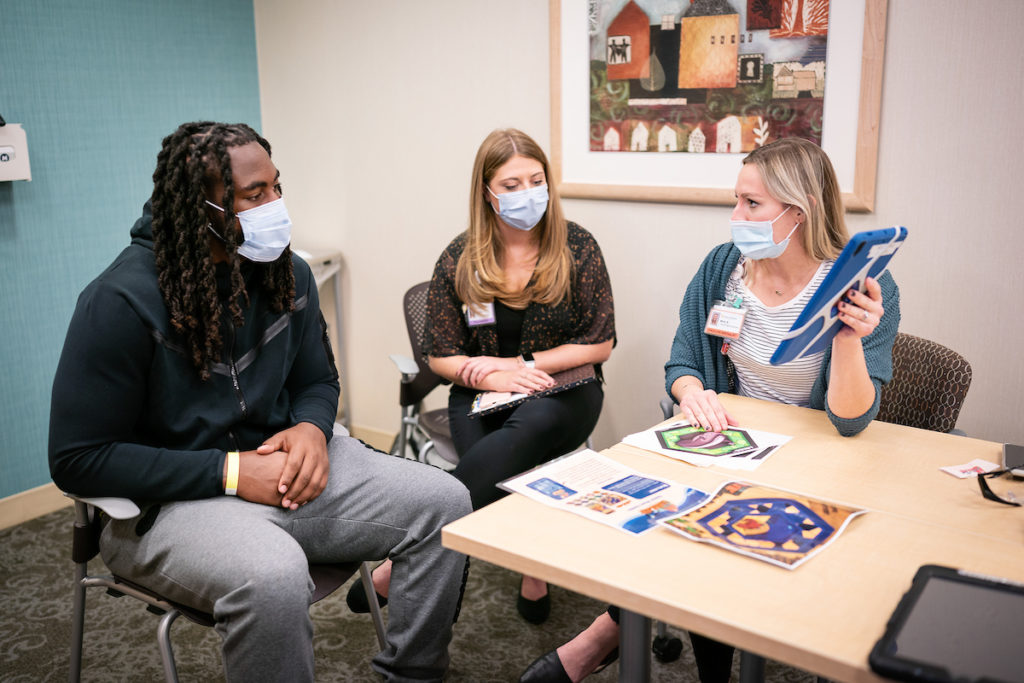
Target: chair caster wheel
[[666, 648]]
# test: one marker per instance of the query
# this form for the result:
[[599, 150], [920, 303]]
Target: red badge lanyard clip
[[736, 303]]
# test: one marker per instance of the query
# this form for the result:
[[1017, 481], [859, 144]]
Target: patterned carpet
[[491, 641]]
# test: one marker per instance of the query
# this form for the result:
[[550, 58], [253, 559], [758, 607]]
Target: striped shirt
[[763, 329]]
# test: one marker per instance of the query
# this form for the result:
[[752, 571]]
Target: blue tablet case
[[865, 255]]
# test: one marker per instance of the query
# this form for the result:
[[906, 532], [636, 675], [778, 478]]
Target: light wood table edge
[[651, 607]]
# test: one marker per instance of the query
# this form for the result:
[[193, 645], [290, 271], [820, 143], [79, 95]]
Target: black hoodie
[[129, 415]]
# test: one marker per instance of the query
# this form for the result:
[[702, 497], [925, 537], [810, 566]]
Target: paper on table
[[773, 525], [970, 469], [738, 448], [599, 488]]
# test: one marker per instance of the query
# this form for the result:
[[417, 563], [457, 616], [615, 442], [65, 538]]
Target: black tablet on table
[[953, 625]]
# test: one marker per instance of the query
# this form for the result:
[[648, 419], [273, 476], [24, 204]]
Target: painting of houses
[[639, 138], [696, 142], [629, 44], [728, 135], [792, 79], [669, 138], [708, 45], [612, 141], [705, 76], [802, 18], [763, 14]]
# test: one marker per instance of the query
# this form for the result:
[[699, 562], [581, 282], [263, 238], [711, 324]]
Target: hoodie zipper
[[234, 371]]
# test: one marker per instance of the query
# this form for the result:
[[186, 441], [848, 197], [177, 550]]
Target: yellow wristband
[[231, 486]]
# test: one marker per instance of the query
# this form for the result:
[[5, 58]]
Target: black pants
[[495, 447], [714, 659]]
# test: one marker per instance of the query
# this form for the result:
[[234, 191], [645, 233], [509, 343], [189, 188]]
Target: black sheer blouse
[[587, 316]]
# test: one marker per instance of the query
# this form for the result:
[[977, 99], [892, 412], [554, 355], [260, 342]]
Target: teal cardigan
[[700, 355]]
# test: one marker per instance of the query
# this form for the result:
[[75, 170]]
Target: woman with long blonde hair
[[522, 294], [787, 230], [519, 296]]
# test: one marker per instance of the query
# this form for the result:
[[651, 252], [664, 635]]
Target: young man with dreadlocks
[[197, 378]]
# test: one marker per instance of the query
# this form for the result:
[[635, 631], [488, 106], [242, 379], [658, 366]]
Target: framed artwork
[[660, 100]]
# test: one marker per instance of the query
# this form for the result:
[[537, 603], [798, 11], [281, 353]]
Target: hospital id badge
[[725, 321], [481, 314]]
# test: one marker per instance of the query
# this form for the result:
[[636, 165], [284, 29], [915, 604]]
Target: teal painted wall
[[96, 84]]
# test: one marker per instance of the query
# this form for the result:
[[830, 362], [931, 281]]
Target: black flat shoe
[[608, 659], [357, 601], [548, 668], [534, 611]]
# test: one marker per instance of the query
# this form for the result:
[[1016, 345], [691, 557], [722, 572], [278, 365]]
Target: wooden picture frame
[[855, 158]]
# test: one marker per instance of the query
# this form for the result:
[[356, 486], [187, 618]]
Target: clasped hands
[[289, 469], [491, 373]]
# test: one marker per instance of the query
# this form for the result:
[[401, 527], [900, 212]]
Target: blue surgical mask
[[755, 239], [266, 229], [523, 209]]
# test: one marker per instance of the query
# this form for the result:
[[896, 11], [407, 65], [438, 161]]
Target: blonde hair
[[798, 172], [479, 278]]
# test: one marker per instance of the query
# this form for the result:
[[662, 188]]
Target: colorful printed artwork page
[[776, 526], [690, 439], [737, 448]]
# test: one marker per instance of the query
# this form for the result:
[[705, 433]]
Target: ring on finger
[[864, 316]]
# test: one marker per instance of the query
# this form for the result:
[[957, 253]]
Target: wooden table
[[825, 615]]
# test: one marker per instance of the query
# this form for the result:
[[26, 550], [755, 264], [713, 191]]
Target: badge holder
[[725, 319], [480, 315]]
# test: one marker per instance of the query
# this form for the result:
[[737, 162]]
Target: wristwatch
[[528, 360]]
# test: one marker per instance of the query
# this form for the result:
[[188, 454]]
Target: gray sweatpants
[[247, 563]]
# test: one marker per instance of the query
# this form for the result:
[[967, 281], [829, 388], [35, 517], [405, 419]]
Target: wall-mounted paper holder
[[14, 163]]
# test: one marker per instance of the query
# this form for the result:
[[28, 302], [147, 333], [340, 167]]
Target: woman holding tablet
[[518, 296], [787, 227]]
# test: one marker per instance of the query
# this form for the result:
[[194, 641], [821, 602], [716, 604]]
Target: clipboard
[[954, 625], [865, 255], [488, 402]]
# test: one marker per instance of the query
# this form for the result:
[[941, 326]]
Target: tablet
[[954, 626], [865, 255], [489, 402]]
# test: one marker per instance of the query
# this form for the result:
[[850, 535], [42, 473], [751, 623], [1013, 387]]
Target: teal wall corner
[[96, 86]]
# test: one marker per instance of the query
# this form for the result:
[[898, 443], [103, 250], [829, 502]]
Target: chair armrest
[[116, 508], [668, 407], [407, 366]]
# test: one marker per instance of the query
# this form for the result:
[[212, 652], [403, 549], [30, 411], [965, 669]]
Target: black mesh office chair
[[85, 546], [424, 433]]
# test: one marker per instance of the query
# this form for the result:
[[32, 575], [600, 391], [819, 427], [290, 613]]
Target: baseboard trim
[[378, 438], [21, 507]]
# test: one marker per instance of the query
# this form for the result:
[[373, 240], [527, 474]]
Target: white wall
[[375, 111]]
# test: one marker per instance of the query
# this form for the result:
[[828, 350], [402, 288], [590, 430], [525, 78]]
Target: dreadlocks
[[191, 159]]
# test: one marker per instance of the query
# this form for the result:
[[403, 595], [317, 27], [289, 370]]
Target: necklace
[[778, 292]]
